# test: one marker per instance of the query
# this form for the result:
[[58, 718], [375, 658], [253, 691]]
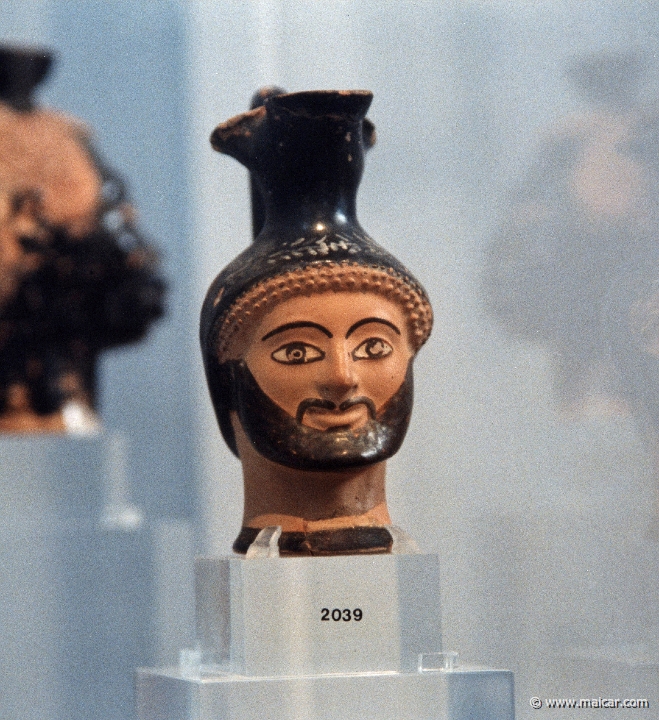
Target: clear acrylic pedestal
[[331, 638]]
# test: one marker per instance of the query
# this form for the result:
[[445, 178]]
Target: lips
[[321, 414], [352, 418]]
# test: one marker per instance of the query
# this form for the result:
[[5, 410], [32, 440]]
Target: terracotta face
[[331, 360], [325, 382]]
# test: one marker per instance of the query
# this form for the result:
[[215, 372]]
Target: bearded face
[[325, 382]]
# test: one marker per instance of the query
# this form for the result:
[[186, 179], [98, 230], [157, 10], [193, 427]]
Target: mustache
[[329, 405]]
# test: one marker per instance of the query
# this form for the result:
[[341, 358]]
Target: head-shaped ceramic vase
[[308, 336]]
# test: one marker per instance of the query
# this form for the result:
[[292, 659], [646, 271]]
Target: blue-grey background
[[544, 527]]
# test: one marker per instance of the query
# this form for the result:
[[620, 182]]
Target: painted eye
[[372, 349], [297, 353]]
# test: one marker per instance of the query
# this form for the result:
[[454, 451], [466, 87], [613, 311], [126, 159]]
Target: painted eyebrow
[[359, 323], [298, 324]]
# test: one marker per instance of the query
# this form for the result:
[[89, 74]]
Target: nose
[[339, 381]]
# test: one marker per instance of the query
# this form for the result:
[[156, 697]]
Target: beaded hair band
[[254, 304]]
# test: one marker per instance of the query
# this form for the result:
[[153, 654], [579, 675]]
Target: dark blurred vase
[[76, 277], [21, 70]]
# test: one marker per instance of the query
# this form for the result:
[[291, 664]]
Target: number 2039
[[338, 615]]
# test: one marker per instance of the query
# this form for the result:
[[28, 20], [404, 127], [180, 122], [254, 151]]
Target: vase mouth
[[305, 152], [22, 68], [350, 105]]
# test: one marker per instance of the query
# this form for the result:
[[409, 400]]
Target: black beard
[[281, 438]]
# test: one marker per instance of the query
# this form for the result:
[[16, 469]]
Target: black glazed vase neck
[[21, 70], [305, 151]]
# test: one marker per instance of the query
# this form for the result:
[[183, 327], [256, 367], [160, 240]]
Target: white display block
[[332, 638], [293, 616]]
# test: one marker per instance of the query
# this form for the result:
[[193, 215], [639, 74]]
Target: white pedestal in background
[[81, 580]]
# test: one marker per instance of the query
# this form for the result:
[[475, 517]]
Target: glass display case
[[529, 471]]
